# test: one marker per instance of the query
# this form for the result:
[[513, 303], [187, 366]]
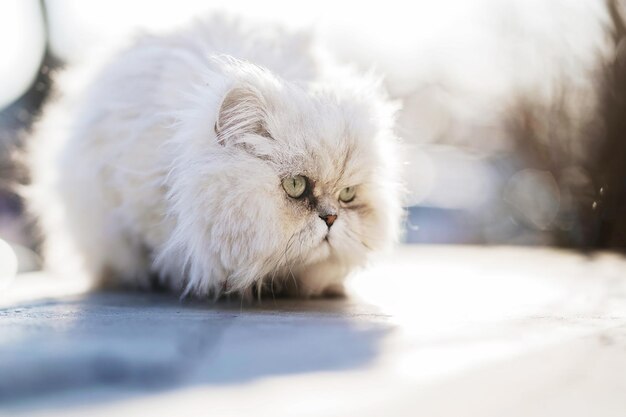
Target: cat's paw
[[336, 290], [309, 289]]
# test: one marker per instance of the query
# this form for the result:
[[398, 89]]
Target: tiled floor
[[433, 331]]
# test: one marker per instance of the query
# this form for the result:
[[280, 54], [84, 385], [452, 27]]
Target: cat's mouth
[[326, 241], [320, 251]]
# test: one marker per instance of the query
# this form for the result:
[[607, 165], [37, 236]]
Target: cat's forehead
[[328, 139], [328, 152]]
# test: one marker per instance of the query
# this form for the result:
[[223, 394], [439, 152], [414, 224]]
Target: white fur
[[165, 169]]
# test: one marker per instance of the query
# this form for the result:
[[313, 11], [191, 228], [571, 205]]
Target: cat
[[224, 158]]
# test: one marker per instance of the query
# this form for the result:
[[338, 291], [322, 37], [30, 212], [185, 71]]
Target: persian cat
[[223, 158]]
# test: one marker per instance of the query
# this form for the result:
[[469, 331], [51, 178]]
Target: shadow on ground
[[108, 346]]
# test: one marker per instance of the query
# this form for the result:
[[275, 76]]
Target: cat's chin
[[321, 252]]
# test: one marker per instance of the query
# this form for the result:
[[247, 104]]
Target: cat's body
[[177, 160]]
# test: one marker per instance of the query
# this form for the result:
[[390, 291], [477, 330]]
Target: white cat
[[225, 158]]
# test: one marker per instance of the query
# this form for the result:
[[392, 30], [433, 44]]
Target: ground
[[432, 331]]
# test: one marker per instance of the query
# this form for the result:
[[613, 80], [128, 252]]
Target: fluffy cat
[[224, 158]]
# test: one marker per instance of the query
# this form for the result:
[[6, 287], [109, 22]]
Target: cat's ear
[[243, 111]]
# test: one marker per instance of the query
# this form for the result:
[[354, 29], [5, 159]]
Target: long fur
[[170, 163]]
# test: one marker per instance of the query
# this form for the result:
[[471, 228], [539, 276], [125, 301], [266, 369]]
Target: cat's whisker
[[300, 241], [259, 287], [272, 285], [293, 277], [287, 249], [284, 259]]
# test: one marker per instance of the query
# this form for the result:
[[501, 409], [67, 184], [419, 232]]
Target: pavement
[[429, 331]]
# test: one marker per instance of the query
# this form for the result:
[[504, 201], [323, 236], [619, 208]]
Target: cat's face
[[298, 178]]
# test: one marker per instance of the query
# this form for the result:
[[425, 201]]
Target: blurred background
[[513, 110]]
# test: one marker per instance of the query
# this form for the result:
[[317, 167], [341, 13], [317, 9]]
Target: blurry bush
[[26, 67], [572, 150]]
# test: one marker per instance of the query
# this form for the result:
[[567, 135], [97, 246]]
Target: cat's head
[[283, 177]]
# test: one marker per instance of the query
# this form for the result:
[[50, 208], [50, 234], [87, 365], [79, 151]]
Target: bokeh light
[[22, 42]]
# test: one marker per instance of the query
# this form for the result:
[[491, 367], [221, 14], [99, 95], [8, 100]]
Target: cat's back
[[141, 87], [164, 64], [131, 104], [290, 54]]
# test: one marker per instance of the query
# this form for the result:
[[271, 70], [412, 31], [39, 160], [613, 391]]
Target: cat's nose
[[329, 219]]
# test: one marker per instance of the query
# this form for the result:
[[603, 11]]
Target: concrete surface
[[432, 331]]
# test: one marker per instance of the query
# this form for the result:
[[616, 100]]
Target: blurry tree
[[16, 120], [578, 137]]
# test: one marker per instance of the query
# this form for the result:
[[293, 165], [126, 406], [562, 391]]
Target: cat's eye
[[347, 194], [294, 186]]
